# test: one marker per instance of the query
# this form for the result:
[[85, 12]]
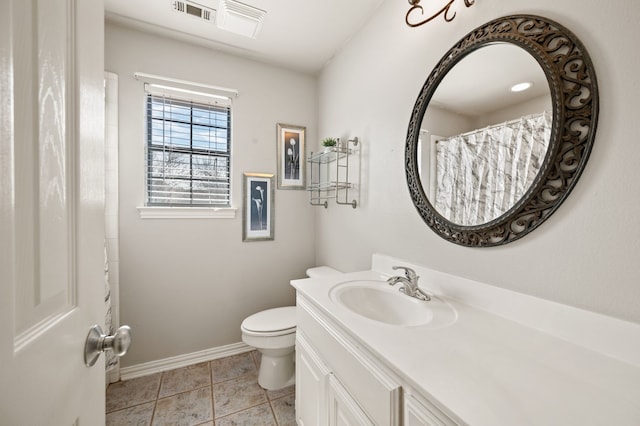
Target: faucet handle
[[408, 272]]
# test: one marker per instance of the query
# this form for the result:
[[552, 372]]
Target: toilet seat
[[271, 322]]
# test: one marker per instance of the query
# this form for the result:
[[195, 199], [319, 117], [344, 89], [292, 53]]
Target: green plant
[[329, 142]]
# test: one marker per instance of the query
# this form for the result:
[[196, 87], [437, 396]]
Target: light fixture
[[240, 18], [521, 87], [415, 5]]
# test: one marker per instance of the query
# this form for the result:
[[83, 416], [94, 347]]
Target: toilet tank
[[321, 271]]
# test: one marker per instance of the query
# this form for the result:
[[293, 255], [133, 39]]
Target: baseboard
[[165, 364]]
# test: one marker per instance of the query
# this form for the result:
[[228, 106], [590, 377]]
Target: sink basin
[[378, 301]]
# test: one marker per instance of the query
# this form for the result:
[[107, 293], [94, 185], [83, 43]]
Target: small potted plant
[[329, 143]]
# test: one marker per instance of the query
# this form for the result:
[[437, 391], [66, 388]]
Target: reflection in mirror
[[481, 145]]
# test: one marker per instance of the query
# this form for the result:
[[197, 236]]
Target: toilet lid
[[276, 319]]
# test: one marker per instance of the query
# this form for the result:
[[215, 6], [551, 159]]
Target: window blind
[[188, 148]]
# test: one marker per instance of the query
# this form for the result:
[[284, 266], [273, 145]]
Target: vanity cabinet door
[[311, 385], [417, 414], [343, 409], [368, 382]]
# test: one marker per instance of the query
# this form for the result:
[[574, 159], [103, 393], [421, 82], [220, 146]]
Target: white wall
[[445, 123], [586, 255], [187, 284], [513, 112]]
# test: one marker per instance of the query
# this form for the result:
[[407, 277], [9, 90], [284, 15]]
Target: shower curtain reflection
[[480, 175]]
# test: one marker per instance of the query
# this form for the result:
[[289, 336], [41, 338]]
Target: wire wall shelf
[[329, 174]]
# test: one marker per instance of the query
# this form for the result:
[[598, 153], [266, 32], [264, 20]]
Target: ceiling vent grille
[[240, 18], [194, 9]]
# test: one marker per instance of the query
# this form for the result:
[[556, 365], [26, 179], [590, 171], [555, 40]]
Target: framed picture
[[258, 205], [291, 156]]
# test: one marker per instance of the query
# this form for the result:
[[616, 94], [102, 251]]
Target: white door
[[343, 409], [311, 379], [51, 210], [416, 414]]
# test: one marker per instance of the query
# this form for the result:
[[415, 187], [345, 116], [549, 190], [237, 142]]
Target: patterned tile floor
[[222, 392]]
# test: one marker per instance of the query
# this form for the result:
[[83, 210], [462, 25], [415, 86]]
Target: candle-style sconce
[[445, 11]]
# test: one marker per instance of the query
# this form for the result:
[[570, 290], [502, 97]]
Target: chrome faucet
[[409, 283]]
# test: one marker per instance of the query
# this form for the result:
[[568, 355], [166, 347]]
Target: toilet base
[[277, 368]]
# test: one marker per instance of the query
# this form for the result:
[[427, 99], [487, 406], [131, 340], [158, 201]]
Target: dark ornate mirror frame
[[574, 93]]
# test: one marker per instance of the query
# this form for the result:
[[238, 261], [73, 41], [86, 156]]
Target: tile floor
[[222, 392]]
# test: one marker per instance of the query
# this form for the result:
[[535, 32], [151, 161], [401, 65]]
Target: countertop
[[487, 370]]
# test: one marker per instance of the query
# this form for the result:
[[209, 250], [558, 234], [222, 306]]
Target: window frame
[[193, 100]]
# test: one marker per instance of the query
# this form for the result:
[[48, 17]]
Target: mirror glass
[[481, 144]]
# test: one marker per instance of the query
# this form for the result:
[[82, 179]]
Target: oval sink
[[378, 301]]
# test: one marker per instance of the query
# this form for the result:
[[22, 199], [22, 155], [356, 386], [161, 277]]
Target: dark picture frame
[[291, 149], [258, 207]]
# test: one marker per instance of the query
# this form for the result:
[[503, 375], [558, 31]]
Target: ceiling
[[480, 83], [299, 35]]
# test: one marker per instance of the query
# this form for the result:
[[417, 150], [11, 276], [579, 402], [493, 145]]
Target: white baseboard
[[165, 364]]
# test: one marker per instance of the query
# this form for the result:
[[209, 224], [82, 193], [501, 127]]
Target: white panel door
[[311, 388], [343, 409], [417, 414], [51, 210]]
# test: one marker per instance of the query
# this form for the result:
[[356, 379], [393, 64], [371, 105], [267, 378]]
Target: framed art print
[[258, 207], [291, 156]]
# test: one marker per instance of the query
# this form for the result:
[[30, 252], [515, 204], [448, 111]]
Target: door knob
[[97, 342]]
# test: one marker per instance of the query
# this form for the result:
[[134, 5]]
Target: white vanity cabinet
[[418, 412], [492, 365], [337, 383], [320, 397], [340, 383]]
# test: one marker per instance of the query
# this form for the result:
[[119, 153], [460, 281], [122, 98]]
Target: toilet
[[273, 333]]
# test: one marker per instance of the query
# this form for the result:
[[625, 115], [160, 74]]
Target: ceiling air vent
[[194, 9], [240, 18]]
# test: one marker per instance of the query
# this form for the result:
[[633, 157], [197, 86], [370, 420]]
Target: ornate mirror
[[486, 160]]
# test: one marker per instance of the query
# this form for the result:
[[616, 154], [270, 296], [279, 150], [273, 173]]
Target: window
[[188, 149]]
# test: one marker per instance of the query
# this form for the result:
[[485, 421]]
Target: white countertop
[[488, 370]]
